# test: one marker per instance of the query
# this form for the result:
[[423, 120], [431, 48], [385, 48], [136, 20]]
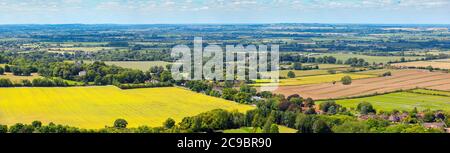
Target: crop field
[[323, 69], [17, 79], [95, 107], [84, 49], [140, 65], [400, 79], [442, 64], [332, 66], [370, 59], [431, 92], [281, 129], [314, 79], [402, 101]]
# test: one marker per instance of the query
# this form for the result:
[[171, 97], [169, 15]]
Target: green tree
[[7, 68], [166, 76], [291, 74], [36, 124], [3, 128], [2, 71], [346, 80], [5, 83], [169, 123], [365, 108], [304, 123], [274, 129], [309, 102], [321, 126], [269, 122], [120, 123]]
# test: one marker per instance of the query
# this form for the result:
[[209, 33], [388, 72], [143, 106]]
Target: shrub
[[346, 80]]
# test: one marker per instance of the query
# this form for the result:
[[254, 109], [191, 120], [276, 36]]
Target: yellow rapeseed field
[[95, 107]]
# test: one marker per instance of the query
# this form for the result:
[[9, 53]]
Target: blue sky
[[224, 11]]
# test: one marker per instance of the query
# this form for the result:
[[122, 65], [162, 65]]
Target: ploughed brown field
[[442, 64], [402, 79]]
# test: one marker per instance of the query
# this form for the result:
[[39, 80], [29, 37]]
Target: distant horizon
[[446, 24], [224, 11]]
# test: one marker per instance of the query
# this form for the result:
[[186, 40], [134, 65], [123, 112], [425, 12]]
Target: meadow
[[96, 107], [401, 101]]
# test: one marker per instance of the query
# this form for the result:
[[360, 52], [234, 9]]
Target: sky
[[224, 11]]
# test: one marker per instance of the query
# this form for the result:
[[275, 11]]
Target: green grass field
[[282, 129], [370, 59], [402, 101], [431, 92], [95, 107], [314, 79]]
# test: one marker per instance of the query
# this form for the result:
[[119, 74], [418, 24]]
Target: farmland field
[[140, 65], [400, 79], [323, 69], [17, 79], [442, 64], [370, 59], [314, 79], [85, 49], [95, 107], [402, 101]]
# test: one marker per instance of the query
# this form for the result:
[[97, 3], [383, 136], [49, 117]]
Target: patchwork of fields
[[95, 107], [404, 101], [401, 79]]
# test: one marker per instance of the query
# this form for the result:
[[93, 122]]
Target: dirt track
[[404, 79]]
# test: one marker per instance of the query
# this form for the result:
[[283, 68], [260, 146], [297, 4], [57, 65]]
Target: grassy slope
[[95, 107]]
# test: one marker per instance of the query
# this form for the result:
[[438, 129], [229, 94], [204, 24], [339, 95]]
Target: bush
[[291, 74], [387, 74], [169, 123], [120, 124], [3, 128], [320, 126], [346, 80], [365, 108]]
